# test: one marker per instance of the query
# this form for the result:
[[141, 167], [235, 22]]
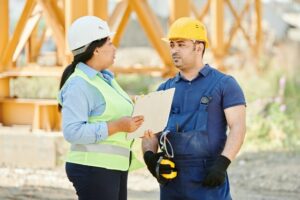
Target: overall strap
[[207, 95], [216, 80]]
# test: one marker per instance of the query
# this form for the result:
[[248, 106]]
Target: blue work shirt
[[226, 93], [80, 100]]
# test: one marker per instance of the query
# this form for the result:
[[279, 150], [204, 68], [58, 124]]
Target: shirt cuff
[[101, 132]]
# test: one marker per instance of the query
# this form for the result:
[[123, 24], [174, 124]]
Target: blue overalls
[[193, 154]]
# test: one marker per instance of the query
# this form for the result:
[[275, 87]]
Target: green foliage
[[35, 87], [272, 119], [136, 84]]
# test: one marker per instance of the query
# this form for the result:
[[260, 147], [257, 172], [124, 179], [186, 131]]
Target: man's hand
[[149, 142], [151, 159], [217, 172], [162, 171]]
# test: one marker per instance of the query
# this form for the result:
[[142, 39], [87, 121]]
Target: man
[[205, 103]]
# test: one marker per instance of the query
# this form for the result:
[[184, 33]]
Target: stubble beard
[[177, 62]]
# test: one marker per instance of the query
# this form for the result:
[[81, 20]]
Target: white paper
[[155, 107]]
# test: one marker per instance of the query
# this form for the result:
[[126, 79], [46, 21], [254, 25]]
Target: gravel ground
[[253, 176]]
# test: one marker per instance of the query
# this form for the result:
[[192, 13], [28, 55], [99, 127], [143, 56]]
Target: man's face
[[183, 53]]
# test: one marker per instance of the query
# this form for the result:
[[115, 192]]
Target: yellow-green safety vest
[[115, 151]]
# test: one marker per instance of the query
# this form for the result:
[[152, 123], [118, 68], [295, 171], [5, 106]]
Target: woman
[[96, 115]]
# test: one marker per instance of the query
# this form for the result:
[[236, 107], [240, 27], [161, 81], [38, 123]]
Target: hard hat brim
[[168, 40], [111, 34], [165, 39]]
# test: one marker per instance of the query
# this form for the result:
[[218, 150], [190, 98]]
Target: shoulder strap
[[211, 87], [207, 95]]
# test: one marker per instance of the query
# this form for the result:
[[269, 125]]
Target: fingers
[[211, 181], [148, 134], [149, 143], [138, 118]]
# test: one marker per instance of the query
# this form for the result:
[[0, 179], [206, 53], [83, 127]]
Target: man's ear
[[200, 46]]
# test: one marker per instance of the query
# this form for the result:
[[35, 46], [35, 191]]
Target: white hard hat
[[85, 30]]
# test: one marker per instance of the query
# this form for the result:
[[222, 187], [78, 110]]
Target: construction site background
[[268, 166]]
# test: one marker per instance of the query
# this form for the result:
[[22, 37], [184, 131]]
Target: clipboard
[[155, 107]]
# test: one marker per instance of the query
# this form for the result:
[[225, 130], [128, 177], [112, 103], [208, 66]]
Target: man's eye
[[180, 45], [172, 45]]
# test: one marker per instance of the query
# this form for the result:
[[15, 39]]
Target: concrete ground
[[253, 176]]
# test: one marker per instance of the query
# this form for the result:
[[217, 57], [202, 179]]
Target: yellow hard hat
[[188, 28]]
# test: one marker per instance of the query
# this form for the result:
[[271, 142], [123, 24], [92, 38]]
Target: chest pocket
[[181, 122], [187, 121]]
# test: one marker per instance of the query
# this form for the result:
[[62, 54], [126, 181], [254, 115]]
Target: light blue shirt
[[80, 100]]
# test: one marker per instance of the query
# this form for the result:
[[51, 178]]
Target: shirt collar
[[91, 73], [106, 73], [204, 72]]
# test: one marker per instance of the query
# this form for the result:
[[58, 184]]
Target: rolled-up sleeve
[[75, 112]]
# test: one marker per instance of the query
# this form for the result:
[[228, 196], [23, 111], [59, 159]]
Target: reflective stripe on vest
[[101, 148]]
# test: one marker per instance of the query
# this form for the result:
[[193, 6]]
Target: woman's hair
[[83, 57]]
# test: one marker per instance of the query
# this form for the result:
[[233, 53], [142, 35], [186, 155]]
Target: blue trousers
[[95, 183], [188, 183]]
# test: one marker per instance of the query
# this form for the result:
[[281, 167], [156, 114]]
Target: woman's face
[[105, 54]]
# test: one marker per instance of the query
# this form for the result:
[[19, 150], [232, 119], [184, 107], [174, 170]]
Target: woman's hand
[[125, 124]]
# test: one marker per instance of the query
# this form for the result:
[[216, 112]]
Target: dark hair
[[83, 57]]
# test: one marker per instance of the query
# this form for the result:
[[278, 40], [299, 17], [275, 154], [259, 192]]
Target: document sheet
[[155, 107]]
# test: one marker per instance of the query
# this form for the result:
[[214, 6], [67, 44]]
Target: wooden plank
[[57, 29], [44, 102], [9, 51], [237, 24], [28, 29], [40, 114], [98, 8], [259, 34], [145, 16], [117, 14], [4, 27], [122, 25], [35, 118], [57, 71], [139, 70], [217, 32], [59, 12], [33, 71], [9, 116], [4, 87], [203, 12], [179, 8], [73, 10], [36, 42]]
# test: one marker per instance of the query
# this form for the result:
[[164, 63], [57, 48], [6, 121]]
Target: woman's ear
[[97, 51]]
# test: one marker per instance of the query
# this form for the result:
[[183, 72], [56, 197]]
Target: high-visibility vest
[[115, 151]]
